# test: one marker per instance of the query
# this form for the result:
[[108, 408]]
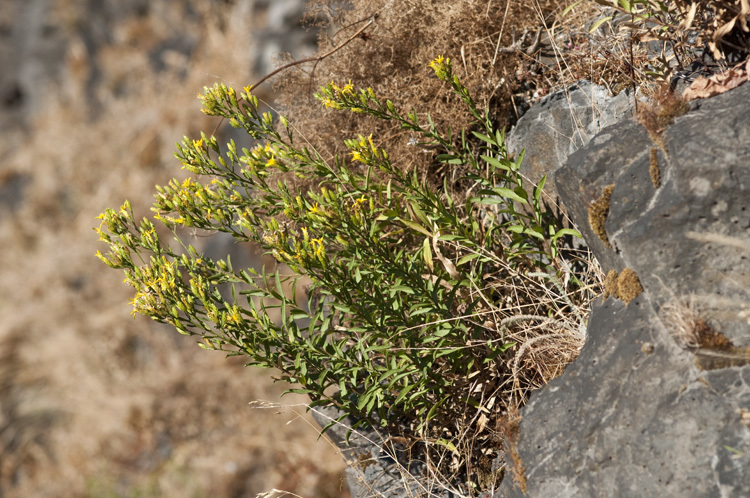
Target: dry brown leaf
[[688, 21], [744, 12], [482, 422], [717, 84]]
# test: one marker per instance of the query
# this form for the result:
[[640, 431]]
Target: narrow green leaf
[[496, 163], [363, 400], [509, 194], [484, 138], [599, 23], [538, 189], [569, 8], [566, 231], [467, 258], [404, 392], [487, 201], [416, 227], [427, 254], [449, 159], [447, 444]]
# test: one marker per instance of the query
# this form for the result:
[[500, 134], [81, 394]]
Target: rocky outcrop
[[562, 123], [658, 402]]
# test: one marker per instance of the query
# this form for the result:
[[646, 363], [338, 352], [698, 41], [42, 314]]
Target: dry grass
[[393, 59]]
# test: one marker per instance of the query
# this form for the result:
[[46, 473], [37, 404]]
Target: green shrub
[[423, 302]]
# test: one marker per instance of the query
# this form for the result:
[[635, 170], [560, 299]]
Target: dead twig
[[360, 33], [318, 58], [517, 45]]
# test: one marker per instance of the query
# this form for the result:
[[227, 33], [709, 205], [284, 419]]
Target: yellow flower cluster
[[364, 150], [333, 94], [155, 286], [261, 155], [441, 66]]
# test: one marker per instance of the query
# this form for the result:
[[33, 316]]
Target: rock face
[[561, 123], [376, 465], [637, 414]]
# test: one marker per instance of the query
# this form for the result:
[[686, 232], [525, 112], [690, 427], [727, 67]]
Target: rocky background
[[657, 403], [93, 96]]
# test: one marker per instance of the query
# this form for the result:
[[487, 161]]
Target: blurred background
[[93, 402]]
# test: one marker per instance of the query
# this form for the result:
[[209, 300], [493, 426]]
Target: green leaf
[[427, 254], [449, 159], [509, 194], [299, 315], [467, 258], [416, 227], [487, 201], [538, 189], [496, 163], [448, 445], [401, 288], [599, 23], [566, 231], [403, 393], [484, 138], [363, 400], [569, 8]]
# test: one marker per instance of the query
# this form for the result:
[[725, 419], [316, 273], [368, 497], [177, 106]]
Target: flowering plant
[[421, 300]]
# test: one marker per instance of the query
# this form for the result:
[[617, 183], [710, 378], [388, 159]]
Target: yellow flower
[[330, 103], [271, 161], [319, 248], [441, 66], [356, 156], [234, 315]]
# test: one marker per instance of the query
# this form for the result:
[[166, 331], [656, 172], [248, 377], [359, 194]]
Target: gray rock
[[377, 465], [561, 123], [621, 422], [633, 416]]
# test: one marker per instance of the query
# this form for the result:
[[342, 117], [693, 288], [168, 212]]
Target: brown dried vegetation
[[653, 169], [393, 59], [598, 212], [628, 285], [690, 330], [660, 113]]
